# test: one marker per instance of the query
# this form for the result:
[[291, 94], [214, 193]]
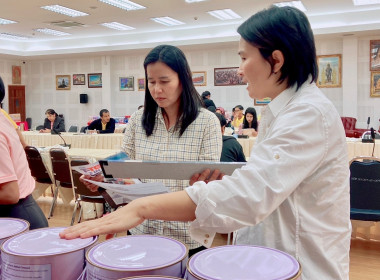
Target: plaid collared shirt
[[202, 141]]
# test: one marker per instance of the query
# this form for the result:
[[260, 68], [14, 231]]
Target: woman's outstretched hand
[[205, 176]]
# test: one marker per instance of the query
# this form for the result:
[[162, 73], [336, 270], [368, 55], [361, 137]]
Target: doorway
[[16, 99]]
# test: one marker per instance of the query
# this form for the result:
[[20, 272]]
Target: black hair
[[2, 90], [51, 112], [190, 101], [205, 94], [221, 119], [252, 111], [103, 111], [239, 107], [288, 30]]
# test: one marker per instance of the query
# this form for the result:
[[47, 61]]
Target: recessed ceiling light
[[193, 1], [117, 26], [49, 31], [13, 36], [225, 14], [295, 4], [6, 21], [64, 11], [365, 2], [168, 21], [123, 4]]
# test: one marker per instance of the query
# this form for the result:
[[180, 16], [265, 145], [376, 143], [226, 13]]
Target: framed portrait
[[227, 77], [141, 84], [126, 83], [329, 71], [79, 79], [62, 82], [264, 101], [374, 48], [94, 80], [375, 84], [16, 75], [200, 78]]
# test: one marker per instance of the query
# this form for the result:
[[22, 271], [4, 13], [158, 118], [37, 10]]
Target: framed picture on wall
[[141, 84], [62, 82], [126, 83], [374, 48], [227, 77], [329, 71], [264, 101], [16, 75], [79, 79], [375, 84], [200, 78], [94, 80]]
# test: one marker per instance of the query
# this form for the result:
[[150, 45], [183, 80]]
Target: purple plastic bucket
[[242, 262], [42, 254], [10, 227], [136, 255]]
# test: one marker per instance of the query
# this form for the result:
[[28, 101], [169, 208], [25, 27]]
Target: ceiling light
[[117, 26], [13, 36], [225, 14], [49, 31], [64, 11], [294, 4], [193, 1], [124, 4], [365, 2], [6, 21], [168, 21]]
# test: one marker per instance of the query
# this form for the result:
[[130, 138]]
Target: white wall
[[352, 99]]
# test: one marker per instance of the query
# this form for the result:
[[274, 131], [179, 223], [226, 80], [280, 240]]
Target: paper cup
[[242, 262], [135, 256], [42, 254]]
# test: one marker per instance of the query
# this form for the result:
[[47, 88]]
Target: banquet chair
[[29, 122], [81, 192], [73, 128], [83, 129], [365, 188], [39, 127], [38, 168], [61, 173]]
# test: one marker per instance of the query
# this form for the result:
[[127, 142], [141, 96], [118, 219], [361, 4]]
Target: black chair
[[29, 122], [73, 128], [365, 188], [39, 127], [37, 167], [82, 193], [61, 172], [83, 129]]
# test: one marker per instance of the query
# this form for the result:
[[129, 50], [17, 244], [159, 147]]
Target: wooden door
[[16, 97]]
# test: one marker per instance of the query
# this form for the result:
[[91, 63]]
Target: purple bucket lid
[[137, 253], [44, 242], [11, 226], [243, 262]]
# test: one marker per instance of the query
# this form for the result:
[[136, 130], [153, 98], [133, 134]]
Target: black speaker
[[83, 97]]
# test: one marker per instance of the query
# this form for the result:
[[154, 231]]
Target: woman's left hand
[[205, 176]]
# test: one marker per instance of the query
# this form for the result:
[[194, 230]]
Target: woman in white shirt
[[293, 194]]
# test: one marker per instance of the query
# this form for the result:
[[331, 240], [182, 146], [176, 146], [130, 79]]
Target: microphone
[[373, 139], [59, 134], [368, 121]]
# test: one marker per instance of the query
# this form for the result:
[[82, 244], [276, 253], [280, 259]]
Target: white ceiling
[[326, 17]]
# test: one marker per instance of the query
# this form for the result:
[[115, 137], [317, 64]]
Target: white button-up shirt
[[293, 194]]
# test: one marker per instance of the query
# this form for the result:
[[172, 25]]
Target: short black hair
[[205, 94], [2, 90], [190, 101], [221, 119], [51, 112], [288, 30], [103, 111], [239, 107]]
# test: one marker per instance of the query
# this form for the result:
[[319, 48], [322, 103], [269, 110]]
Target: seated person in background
[[250, 123], [206, 97], [16, 182], [53, 121], [232, 151], [105, 124], [211, 109], [238, 117]]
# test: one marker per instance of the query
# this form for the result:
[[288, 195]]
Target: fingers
[[194, 178]]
